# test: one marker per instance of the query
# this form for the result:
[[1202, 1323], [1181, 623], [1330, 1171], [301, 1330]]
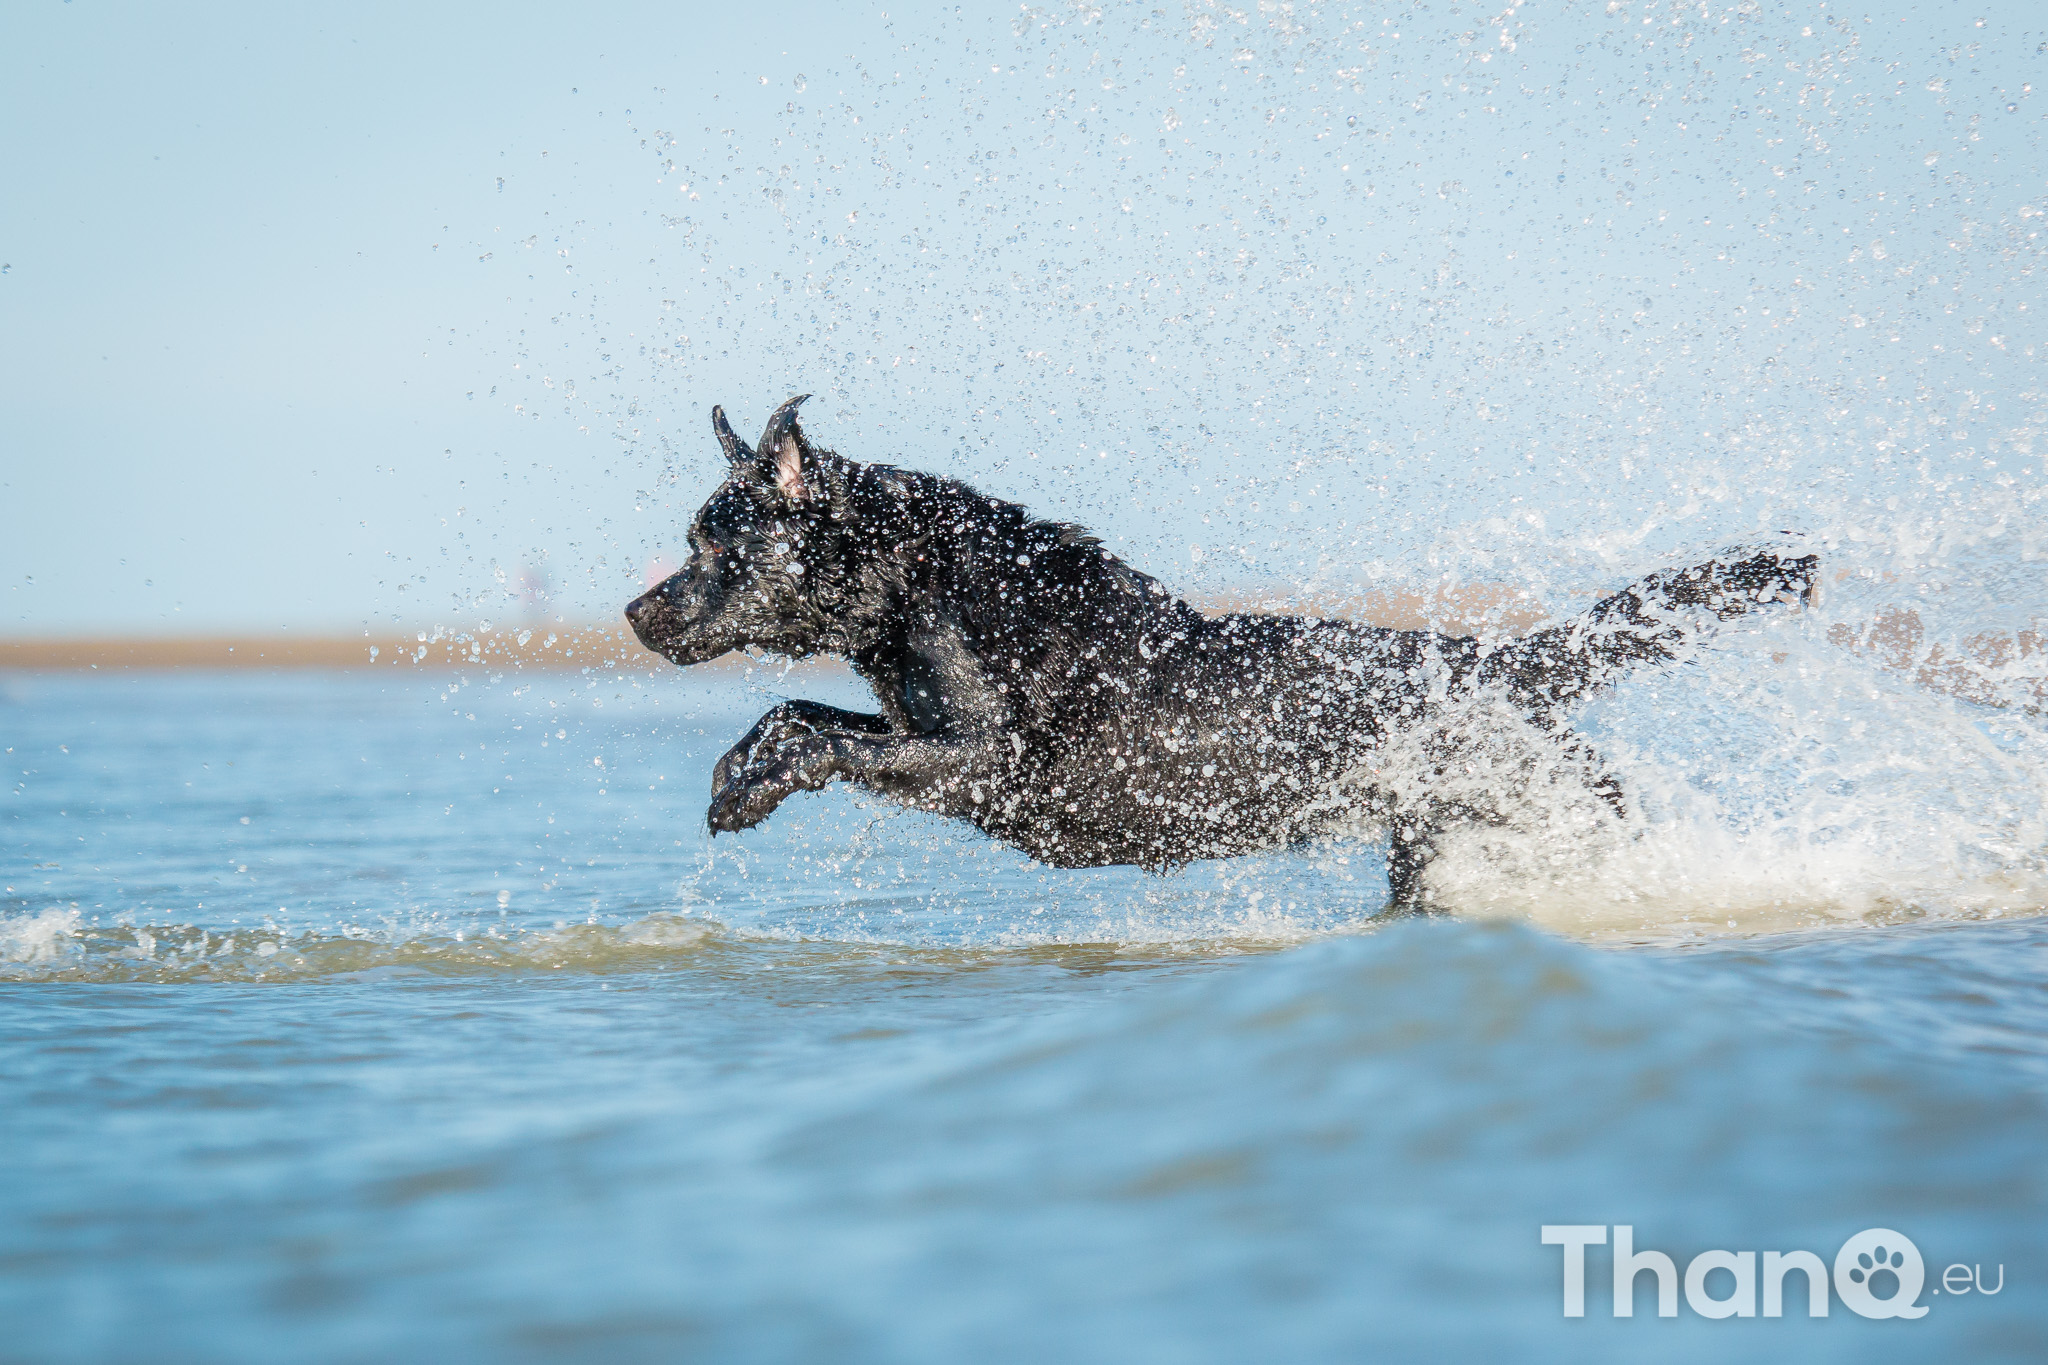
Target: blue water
[[352, 1017]]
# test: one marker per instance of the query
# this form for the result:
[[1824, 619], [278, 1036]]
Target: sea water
[[393, 1015]]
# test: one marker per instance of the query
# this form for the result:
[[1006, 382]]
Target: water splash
[[1785, 777]]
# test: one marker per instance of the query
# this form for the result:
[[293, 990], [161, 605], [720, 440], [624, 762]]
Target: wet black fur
[[1069, 705]]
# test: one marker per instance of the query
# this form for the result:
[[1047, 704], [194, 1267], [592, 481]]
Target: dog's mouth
[[660, 629]]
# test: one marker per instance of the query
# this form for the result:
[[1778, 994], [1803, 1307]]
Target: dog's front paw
[[767, 778], [781, 725]]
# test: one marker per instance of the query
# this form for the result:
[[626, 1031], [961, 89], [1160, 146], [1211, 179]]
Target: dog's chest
[[944, 685]]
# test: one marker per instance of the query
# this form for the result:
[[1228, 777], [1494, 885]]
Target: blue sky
[[334, 321]]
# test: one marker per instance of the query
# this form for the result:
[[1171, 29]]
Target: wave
[[58, 946]]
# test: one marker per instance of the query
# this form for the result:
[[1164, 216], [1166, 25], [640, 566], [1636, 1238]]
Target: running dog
[[1031, 682]]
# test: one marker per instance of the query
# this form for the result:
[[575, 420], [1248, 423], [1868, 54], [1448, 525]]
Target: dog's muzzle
[[664, 630]]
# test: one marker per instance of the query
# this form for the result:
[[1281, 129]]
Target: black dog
[[1067, 704]]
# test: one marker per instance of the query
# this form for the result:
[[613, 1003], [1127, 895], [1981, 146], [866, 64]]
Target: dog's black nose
[[637, 608]]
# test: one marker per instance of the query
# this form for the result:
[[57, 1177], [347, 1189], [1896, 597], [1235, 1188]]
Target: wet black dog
[[1067, 704]]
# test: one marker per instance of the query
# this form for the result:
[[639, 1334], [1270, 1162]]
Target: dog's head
[[762, 554]]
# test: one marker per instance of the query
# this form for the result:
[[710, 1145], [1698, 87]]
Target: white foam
[[46, 937]]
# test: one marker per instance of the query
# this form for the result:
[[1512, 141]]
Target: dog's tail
[[1654, 620]]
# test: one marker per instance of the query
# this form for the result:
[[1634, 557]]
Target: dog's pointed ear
[[735, 449], [785, 451]]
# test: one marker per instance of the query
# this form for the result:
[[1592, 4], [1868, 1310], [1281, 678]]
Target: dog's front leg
[[951, 774], [784, 722]]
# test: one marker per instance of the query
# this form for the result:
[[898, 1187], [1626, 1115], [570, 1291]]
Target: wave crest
[[55, 946]]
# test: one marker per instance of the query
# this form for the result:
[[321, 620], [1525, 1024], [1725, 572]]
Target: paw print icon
[[1881, 1274], [1878, 1274]]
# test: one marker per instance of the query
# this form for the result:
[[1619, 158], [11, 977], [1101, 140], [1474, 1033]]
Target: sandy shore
[[563, 648]]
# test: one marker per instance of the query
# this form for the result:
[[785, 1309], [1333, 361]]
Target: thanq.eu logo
[[1878, 1273]]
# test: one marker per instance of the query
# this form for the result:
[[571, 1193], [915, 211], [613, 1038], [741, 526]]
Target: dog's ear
[[787, 455], [735, 449]]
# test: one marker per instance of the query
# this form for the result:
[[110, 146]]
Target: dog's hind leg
[[1653, 620], [1585, 761], [1411, 846]]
